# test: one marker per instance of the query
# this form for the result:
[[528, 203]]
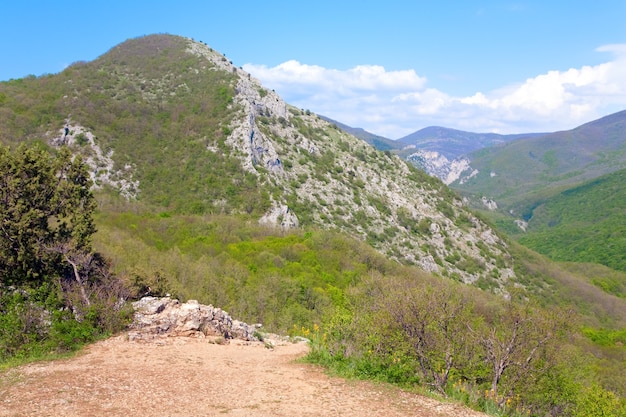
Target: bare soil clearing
[[187, 376]]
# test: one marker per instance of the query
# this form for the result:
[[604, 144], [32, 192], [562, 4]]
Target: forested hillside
[[584, 224], [208, 186], [521, 174]]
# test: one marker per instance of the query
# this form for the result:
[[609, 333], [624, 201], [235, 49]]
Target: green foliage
[[21, 330], [46, 212], [69, 334], [253, 273], [470, 265], [32, 327], [144, 100], [445, 208], [506, 358], [584, 224], [379, 204], [55, 293], [421, 227], [81, 139], [597, 402], [606, 337]]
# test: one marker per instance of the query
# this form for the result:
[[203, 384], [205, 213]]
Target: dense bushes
[[493, 354], [55, 293], [251, 271]]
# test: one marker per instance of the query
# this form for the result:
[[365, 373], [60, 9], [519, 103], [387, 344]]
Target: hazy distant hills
[[456, 143], [450, 143], [440, 151]]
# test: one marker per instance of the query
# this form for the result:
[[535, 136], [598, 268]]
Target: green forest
[[567, 227]]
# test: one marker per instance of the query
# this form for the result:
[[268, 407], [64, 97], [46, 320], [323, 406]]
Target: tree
[[46, 205], [53, 287], [433, 320], [521, 344]]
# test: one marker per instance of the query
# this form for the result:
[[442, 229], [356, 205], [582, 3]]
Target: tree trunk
[[79, 280]]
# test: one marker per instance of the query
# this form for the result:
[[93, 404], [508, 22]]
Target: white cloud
[[397, 103], [357, 79]]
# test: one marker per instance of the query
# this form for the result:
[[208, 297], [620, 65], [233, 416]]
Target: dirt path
[[185, 376]]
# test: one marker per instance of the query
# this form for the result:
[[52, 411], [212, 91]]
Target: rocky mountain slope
[[153, 128]]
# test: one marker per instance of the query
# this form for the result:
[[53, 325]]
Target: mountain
[[171, 123], [379, 142], [586, 223], [521, 174], [213, 188], [453, 143]]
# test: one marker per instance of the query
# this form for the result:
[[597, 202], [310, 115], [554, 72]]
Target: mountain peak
[[194, 134]]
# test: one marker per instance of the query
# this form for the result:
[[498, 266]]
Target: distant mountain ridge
[[379, 142], [521, 173], [453, 143], [441, 152]]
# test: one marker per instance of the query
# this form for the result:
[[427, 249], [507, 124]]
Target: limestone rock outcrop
[[157, 317]]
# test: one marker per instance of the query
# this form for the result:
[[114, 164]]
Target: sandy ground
[[187, 376]]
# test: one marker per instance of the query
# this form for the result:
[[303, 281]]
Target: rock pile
[[157, 317]]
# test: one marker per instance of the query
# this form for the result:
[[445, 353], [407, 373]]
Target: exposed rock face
[[155, 317], [281, 215], [489, 203], [255, 101], [439, 166], [101, 164], [521, 224]]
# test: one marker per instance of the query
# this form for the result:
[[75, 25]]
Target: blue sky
[[390, 67]]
